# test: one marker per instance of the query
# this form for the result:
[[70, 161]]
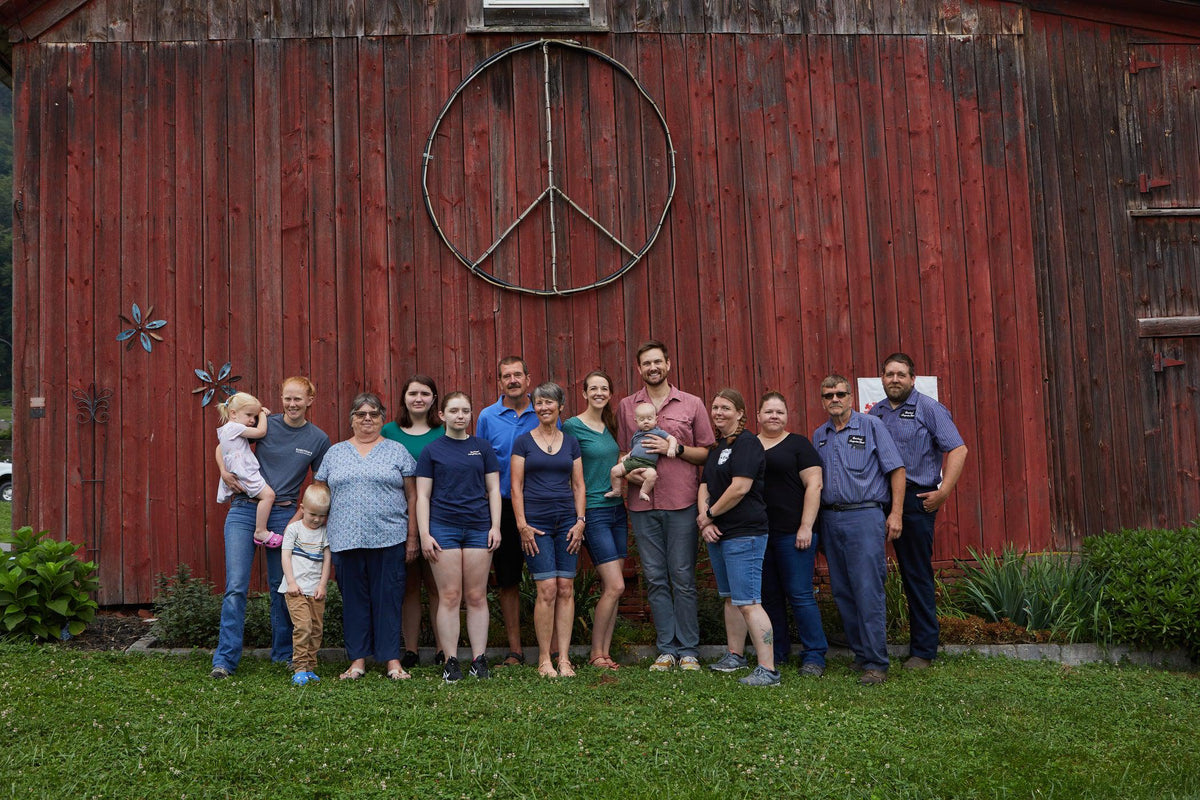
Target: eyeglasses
[[831, 395], [367, 414]]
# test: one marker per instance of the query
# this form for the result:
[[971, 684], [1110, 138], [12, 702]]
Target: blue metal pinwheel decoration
[[143, 327], [213, 380]]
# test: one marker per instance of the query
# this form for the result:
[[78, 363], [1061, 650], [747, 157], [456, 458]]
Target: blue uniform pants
[[914, 554], [854, 547]]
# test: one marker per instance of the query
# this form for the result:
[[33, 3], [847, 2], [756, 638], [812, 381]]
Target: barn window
[[538, 15]]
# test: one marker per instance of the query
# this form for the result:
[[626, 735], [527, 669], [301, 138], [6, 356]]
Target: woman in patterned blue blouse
[[371, 483]]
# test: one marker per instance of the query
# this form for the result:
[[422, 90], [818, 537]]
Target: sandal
[[352, 674], [604, 662], [398, 675], [565, 669], [547, 670], [513, 659]]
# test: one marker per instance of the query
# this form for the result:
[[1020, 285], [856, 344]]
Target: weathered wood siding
[[851, 180]]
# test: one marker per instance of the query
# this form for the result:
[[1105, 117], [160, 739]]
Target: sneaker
[[219, 672], [916, 662], [479, 667], [439, 659], [812, 669], [761, 677], [730, 662], [452, 673], [872, 677], [664, 663], [689, 664], [409, 659], [300, 678]]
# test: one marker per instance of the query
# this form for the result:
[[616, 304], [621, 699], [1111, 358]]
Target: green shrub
[[1039, 592], [188, 612], [1153, 587], [45, 590]]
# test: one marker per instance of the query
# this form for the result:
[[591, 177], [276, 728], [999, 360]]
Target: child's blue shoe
[[301, 678], [313, 677]]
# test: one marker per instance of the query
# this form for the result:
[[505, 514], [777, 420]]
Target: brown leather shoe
[[872, 677], [916, 662]]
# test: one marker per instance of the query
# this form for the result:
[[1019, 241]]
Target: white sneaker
[[664, 663], [689, 664]]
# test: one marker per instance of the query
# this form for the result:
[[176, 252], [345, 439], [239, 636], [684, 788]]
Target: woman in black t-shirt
[[793, 495], [733, 521]]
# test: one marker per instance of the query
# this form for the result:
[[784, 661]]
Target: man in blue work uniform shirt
[[501, 423], [924, 433], [863, 475]]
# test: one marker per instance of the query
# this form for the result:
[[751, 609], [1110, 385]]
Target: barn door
[[1163, 144]]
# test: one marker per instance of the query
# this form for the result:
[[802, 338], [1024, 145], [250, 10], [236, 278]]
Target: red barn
[[1009, 191]]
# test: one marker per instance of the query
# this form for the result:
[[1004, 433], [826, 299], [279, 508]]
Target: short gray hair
[[551, 391], [366, 399]]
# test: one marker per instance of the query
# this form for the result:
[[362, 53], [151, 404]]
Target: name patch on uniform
[[303, 452], [474, 453], [857, 441], [721, 459], [908, 413]]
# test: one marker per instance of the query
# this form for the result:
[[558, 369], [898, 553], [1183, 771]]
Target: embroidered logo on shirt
[[303, 452], [908, 413], [474, 453], [857, 441], [721, 459]]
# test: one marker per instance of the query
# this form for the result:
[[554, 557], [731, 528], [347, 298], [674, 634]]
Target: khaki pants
[[308, 617]]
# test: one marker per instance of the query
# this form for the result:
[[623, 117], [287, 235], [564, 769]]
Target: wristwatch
[[678, 450], [581, 519], [708, 511]]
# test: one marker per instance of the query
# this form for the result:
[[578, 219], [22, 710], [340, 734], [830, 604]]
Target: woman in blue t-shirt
[[458, 516], [549, 499]]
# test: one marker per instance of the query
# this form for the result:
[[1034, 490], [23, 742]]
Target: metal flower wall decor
[[143, 328], [213, 380]]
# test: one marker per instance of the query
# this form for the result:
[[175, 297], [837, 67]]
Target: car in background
[[6, 481]]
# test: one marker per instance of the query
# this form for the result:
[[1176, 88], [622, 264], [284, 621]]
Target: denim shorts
[[552, 559], [737, 566], [452, 537], [607, 534]]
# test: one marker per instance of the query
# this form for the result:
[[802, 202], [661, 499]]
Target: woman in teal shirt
[[607, 533]]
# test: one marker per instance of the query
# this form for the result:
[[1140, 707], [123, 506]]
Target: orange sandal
[[604, 662]]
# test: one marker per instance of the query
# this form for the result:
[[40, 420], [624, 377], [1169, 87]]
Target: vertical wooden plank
[[120, 20], [405, 205], [445, 278], [80, 331], [145, 20], [227, 19], [168, 374], [293, 18], [296, 212], [1024, 273], [214, 170], [267, 202], [138, 367], [705, 201], [347, 217], [373, 160], [524, 318], [322, 15], [243, 272], [322, 287], [195, 440]]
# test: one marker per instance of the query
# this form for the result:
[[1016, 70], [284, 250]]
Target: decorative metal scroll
[[211, 380], [91, 406], [143, 328], [552, 192]]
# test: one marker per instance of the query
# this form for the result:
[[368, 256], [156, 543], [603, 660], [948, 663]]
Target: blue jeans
[[666, 543], [788, 577], [737, 567], [607, 534], [239, 558], [854, 548], [914, 555]]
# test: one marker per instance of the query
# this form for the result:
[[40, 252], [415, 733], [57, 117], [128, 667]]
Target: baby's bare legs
[[617, 476], [648, 476], [266, 499]]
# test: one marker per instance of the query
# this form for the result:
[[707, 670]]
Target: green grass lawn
[[108, 725]]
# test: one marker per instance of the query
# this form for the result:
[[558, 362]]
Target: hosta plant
[[45, 590]]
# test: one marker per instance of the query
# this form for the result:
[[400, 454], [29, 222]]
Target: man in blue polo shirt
[[501, 423], [924, 434], [863, 475]]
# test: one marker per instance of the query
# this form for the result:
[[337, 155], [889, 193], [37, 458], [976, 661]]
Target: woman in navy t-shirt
[[458, 516], [549, 498]]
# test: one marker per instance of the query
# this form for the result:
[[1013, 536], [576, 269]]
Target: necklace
[[549, 446]]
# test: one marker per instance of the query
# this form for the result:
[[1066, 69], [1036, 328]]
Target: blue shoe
[[300, 678], [313, 677], [761, 676]]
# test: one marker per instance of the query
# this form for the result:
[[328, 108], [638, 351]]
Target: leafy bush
[[1153, 587], [1039, 592], [45, 590]]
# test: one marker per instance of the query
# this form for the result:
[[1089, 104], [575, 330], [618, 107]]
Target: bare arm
[[260, 428], [428, 546], [492, 481], [813, 479], [529, 534], [413, 543], [579, 490], [285, 558], [956, 459], [326, 569]]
